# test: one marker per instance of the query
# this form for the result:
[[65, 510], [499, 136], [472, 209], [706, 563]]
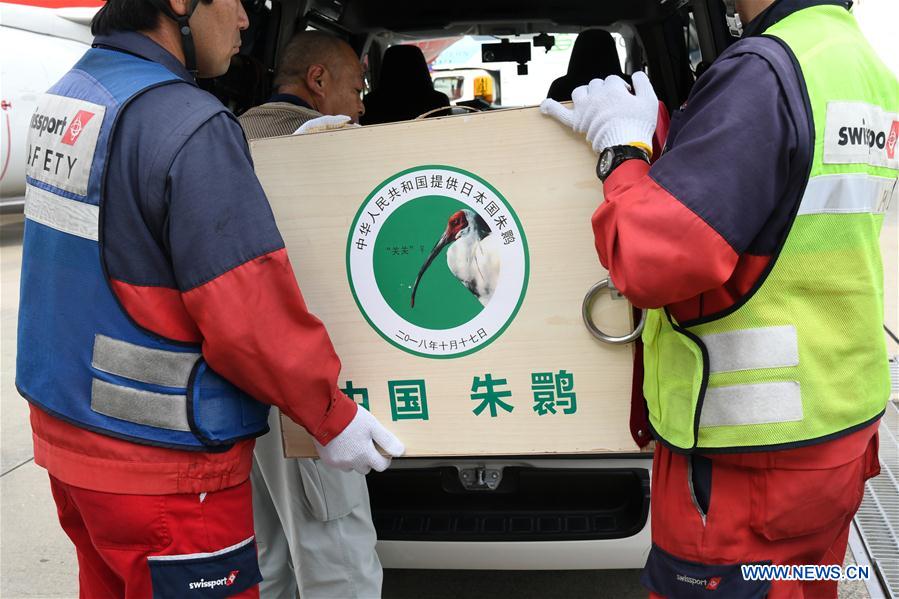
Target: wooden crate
[[541, 177]]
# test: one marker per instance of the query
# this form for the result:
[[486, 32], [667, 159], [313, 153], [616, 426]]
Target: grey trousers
[[313, 527]]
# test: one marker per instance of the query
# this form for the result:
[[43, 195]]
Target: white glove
[[324, 123], [609, 113], [354, 448]]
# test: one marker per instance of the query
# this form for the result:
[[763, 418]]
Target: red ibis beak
[[444, 241]]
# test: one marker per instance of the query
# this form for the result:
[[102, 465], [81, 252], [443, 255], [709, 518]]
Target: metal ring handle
[[587, 312]]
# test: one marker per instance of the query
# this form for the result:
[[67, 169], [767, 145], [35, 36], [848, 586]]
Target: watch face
[[605, 161]]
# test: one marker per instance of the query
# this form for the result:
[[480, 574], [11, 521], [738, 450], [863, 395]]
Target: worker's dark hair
[[127, 15]]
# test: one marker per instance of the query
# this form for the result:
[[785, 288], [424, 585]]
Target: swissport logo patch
[[62, 139], [78, 123], [710, 584], [891, 140], [226, 581], [860, 133]]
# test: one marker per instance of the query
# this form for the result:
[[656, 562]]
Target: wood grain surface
[[316, 184]]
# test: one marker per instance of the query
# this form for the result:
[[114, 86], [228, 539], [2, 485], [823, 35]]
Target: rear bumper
[[614, 554]]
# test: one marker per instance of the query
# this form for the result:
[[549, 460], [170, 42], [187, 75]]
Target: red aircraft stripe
[[58, 3]]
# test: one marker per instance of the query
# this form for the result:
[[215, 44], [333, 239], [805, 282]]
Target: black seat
[[594, 56], [404, 89]]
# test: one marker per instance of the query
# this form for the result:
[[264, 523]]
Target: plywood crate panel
[[318, 183]]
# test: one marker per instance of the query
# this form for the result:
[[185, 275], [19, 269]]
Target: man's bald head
[[308, 48], [324, 71]]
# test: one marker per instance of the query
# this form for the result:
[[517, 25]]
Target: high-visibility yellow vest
[[803, 357]]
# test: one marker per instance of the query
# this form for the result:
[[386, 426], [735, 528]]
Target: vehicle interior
[[672, 40], [511, 499]]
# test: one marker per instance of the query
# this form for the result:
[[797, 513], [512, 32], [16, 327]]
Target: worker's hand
[[324, 123], [354, 448], [609, 113]]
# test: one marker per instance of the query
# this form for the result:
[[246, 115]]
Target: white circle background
[[495, 315]]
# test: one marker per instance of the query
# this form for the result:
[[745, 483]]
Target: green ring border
[[527, 260]]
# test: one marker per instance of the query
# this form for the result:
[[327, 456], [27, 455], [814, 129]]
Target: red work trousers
[[712, 514], [143, 546]]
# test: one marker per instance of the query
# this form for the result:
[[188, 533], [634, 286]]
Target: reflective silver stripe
[[763, 403], [850, 193], [749, 349], [140, 407], [152, 366], [184, 556], [62, 214]]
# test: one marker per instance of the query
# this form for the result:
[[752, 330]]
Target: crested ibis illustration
[[473, 256]]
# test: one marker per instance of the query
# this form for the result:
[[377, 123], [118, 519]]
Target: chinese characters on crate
[[550, 394]]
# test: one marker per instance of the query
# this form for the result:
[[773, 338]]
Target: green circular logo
[[437, 261]]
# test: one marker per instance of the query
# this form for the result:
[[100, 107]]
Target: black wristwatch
[[612, 156]]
